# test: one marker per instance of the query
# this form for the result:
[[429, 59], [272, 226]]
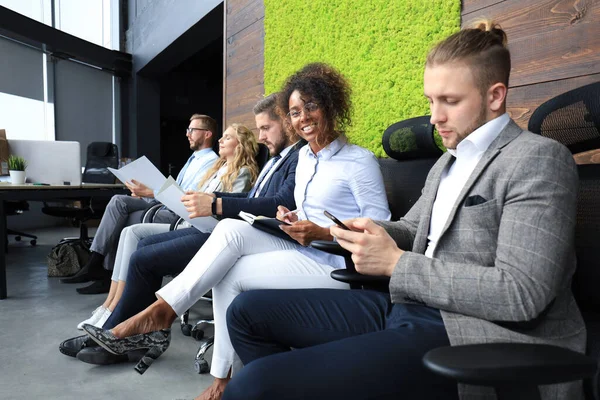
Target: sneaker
[[103, 318], [96, 315]]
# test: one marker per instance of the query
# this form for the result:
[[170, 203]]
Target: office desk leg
[[2, 251]]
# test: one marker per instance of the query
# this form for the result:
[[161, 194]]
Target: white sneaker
[[103, 318], [96, 315]]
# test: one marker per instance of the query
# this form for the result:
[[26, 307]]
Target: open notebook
[[266, 224]]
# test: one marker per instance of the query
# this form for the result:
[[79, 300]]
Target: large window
[[43, 98]]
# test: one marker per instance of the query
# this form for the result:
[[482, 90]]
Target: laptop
[[51, 162]]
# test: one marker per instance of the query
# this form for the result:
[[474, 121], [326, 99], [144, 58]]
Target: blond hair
[[482, 48], [244, 157]]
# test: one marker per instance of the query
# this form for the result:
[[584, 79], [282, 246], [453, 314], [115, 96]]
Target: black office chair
[[100, 156], [17, 208]]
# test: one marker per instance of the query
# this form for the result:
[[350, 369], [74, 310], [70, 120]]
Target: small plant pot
[[17, 177]]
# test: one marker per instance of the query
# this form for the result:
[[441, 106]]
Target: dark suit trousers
[[156, 257], [348, 344]]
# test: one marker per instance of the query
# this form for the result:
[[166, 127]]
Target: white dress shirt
[[343, 179], [203, 160], [468, 153]]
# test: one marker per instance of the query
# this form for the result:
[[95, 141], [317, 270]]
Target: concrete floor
[[40, 313]]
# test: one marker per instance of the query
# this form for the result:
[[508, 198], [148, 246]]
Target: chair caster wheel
[[33, 242], [186, 329], [197, 334], [18, 238], [201, 366]]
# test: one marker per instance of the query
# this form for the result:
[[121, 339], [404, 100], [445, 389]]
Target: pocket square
[[474, 200]]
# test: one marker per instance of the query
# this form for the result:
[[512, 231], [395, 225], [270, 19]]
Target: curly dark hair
[[324, 85]]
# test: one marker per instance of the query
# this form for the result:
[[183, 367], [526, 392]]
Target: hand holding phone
[[335, 220]]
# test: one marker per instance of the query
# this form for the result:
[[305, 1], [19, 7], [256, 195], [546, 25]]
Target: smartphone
[[334, 219]]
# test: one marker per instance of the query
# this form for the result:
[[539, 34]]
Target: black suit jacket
[[278, 190]]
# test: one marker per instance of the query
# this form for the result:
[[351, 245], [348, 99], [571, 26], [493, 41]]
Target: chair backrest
[[262, 156], [411, 145], [572, 118], [100, 156]]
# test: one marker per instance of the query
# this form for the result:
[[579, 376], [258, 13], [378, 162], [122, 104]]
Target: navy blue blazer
[[278, 190]]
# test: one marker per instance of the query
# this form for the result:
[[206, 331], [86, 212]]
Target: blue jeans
[[157, 256], [348, 344]]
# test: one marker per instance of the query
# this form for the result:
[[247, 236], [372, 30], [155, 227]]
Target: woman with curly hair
[[331, 175], [234, 172]]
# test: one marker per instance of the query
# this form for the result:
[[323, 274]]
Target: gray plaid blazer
[[504, 259]]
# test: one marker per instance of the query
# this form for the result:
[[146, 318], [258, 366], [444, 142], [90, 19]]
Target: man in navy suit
[[168, 253]]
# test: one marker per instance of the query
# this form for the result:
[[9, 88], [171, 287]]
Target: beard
[[477, 123]]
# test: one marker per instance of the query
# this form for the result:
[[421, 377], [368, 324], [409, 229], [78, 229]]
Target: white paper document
[[170, 194], [142, 170]]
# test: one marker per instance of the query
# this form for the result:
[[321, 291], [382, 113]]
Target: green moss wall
[[379, 45]]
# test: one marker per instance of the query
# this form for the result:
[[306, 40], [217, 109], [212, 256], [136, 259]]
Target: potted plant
[[16, 168]]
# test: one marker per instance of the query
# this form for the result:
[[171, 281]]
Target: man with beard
[[125, 210]]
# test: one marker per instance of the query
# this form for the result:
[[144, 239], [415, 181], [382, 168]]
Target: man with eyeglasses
[[125, 210]]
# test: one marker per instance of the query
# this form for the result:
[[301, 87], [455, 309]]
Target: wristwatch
[[213, 206]]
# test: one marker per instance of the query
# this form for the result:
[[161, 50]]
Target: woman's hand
[[305, 232], [198, 204], [290, 218], [138, 189]]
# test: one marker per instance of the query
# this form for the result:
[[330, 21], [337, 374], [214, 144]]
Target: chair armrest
[[149, 212], [175, 224], [349, 275], [499, 364], [330, 247]]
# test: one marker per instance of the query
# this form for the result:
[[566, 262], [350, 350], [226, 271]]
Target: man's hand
[[305, 232], [198, 204], [373, 250], [138, 189]]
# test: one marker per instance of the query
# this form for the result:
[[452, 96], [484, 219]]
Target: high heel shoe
[[156, 342]]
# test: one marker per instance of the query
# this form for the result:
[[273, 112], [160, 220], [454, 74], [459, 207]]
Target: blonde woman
[[235, 172]]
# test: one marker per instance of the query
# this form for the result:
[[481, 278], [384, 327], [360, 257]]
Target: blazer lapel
[[510, 132]]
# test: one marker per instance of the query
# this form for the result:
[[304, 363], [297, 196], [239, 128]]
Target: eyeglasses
[[191, 130], [308, 108]]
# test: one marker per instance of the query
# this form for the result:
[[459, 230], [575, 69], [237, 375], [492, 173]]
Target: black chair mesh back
[[572, 118], [100, 156], [411, 145]]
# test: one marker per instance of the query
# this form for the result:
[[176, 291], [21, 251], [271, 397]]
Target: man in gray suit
[[123, 210], [485, 255]]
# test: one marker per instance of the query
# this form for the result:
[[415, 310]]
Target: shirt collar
[[201, 152], [481, 138], [330, 150], [285, 151]]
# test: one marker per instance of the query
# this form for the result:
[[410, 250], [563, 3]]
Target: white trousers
[[237, 258], [131, 235]]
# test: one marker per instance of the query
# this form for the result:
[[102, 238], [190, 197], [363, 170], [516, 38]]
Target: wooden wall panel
[[555, 46], [244, 60]]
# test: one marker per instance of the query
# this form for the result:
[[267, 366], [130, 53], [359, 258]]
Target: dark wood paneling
[[244, 66], [548, 39], [474, 5], [243, 14]]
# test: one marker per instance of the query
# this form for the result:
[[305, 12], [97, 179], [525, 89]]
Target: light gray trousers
[[122, 211]]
